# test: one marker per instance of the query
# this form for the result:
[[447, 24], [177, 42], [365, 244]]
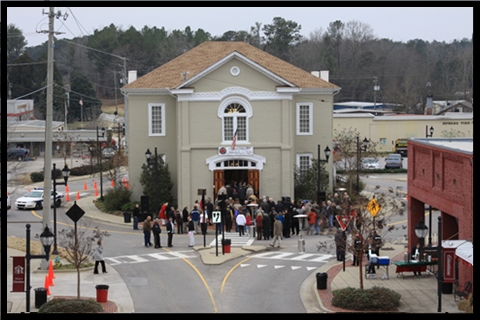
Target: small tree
[[160, 178], [350, 150], [365, 224], [78, 246]]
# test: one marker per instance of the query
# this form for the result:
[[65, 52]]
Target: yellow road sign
[[373, 207]]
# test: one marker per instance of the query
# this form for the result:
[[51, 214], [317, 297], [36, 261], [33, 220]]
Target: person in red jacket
[[163, 213], [248, 223], [312, 219]]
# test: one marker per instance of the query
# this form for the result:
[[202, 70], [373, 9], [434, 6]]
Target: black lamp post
[[421, 231], [46, 238], [440, 266], [65, 174], [359, 150], [99, 160], [154, 162], [430, 224], [426, 132], [321, 194]]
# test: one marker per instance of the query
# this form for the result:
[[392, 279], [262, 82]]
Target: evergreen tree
[[160, 176], [82, 92]]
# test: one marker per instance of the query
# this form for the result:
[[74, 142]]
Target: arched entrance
[[228, 169]]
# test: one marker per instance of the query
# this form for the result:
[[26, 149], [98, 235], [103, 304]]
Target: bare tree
[[78, 246]]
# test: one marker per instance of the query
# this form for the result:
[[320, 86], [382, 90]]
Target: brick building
[[440, 174]]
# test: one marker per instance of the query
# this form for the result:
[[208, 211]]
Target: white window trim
[[309, 155], [248, 114], [310, 115], [150, 106]]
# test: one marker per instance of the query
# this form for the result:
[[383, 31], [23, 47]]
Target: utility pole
[[375, 89], [47, 182]]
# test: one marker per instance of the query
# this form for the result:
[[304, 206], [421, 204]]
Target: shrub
[[115, 198], [37, 176], [374, 299], [71, 306]]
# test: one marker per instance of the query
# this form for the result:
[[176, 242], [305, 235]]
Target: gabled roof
[[209, 53]]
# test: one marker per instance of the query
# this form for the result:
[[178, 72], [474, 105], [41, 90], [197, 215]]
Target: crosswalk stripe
[[159, 256], [302, 257], [278, 267], [322, 258], [261, 265], [295, 267]]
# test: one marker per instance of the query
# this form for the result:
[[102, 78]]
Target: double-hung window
[[304, 161], [156, 119], [305, 118]]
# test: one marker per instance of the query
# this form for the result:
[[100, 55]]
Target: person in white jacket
[[98, 257], [241, 221]]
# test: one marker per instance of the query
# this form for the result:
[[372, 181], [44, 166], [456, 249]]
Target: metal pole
[[440, 267], [99, 157], [358, 164], [156, 183], [319, 201], [54, 177], [27, 257], [429, 226]]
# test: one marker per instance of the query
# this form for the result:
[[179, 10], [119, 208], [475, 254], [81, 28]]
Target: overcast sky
[[398, 24]]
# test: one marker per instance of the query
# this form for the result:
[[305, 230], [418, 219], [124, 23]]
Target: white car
[[34, 200], [370, 163]]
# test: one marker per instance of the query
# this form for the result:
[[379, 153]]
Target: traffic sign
[[216, 217], [373, 207], [343, 221]]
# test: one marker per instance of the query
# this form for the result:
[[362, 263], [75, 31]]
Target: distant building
[[18, 110]]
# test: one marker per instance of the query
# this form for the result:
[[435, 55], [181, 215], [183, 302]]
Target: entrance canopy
[[236, 160], [465, 252]]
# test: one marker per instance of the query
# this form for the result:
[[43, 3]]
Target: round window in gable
[[235, 71]]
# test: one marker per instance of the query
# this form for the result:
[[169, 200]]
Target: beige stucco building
[[385, 129], [191, 107]]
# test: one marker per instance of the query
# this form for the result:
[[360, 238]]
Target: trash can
[[447, 288], [226, 243], [40, 297], [251, 231], [102, 292], [322, 280], [127, 217]]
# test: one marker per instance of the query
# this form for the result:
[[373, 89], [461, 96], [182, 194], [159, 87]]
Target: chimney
[[132, 76], [316, 73], [324, 75]]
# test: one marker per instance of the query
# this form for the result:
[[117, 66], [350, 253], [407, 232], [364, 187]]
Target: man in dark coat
[[266, 226], [340, 243], [156, 232], [287, 223], [170, 230], [136, 213]]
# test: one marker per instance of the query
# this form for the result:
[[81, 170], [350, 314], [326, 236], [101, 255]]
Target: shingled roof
[[208, 53]]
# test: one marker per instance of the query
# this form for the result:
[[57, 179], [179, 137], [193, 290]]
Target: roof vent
[[132, 76]]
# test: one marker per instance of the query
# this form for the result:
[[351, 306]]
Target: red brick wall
[[442, 178]]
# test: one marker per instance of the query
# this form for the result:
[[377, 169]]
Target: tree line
[[355, 58]]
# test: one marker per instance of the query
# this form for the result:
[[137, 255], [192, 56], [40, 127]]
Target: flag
[[234, 140], [81, 102]]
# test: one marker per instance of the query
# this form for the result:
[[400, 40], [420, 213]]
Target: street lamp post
[[321, 194], [154, 162], [359, 149], [46, 238], [426, 132], [421, 231], [440, 266], [99, 160], [65, 174]]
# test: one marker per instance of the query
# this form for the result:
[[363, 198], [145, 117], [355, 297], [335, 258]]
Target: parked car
[[393, 161], [108, 153], [19, 154], [370, 163], [8, 202], [34, 200]]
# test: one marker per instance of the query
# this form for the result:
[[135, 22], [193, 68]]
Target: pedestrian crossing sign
[[373, 207], [216, 217]]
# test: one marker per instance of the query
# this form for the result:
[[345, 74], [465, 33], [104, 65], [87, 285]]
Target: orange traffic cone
[[49, 280], [96, 192], [124, 180], [78, 196], [46, 285], [85, 186], [50, 271], [94, 184], [67, 197], [66, 188], [113, 183]]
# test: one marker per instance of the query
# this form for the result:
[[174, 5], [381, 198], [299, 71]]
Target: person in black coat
[[287, 223], [136, 213], [170, 230], [357, 249], [416, 255], [341, 243], [266, 226], [179, 219], [156, 232], [185, 215]]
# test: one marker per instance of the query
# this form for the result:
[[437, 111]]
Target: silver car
[[393, 161], [108, 153], [370, 163]]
